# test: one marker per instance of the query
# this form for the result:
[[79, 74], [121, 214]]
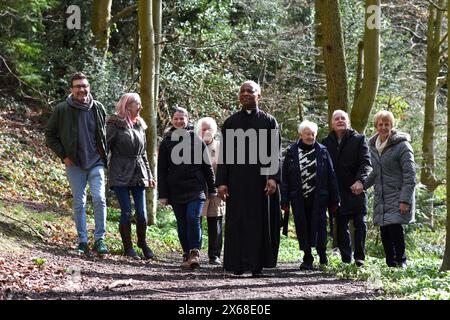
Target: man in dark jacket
[[250, 189], [76, 133], [351, 161]]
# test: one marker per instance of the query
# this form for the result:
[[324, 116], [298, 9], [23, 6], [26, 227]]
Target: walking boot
[[125, 233], [194, 258], [141, 230], [186, 262]]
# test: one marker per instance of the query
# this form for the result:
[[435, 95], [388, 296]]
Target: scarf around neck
[[78, 105], [381, 145]]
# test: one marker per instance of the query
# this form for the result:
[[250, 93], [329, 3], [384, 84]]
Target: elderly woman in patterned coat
[[309, 185]]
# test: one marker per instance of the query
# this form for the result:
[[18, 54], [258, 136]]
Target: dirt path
[[65, 275]]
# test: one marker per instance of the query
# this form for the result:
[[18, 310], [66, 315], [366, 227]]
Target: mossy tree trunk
[[333, 55], [319, 92], [446, 260], [153, 143], [147, 85], [427, 173], [101, 22], [365, 98], [101, 15]]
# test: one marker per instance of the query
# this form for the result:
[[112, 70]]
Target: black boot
[[125, 233], [141, 230]]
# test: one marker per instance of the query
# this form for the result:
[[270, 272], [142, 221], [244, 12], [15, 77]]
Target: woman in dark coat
[[184, 174], [394, 180], [129, 170], [309, 185]]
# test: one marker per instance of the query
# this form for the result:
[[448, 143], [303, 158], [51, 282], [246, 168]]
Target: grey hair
[[206, 120], [341, 111], [307, 124]]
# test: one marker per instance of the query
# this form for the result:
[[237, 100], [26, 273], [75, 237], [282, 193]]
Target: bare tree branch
[[436, 6], [23, 82], [128, 11], [443, 39], [22, 222]]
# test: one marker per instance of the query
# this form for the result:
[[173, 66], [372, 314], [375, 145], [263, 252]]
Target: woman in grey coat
[[394, 180], [129, 170]]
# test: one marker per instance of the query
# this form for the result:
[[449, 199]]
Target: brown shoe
[[194, 258], [186, 264]]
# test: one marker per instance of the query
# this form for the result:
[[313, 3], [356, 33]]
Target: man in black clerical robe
[[248, 182]]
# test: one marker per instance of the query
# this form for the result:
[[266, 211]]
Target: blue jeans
[[78, 179], [123, 196], [188, 217]]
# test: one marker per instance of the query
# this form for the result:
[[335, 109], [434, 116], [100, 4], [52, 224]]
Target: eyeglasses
[[79, 86]]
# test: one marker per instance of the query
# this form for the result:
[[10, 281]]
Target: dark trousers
[[214, 236], [344, 237], [393, 239], [321, 244]]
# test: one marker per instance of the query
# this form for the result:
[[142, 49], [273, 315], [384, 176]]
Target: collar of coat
[[348, 133], [294, 147], [121, 123], [253, 111], [168, 132], [394, 138]]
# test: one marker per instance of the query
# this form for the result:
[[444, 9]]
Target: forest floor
[[43, 271]]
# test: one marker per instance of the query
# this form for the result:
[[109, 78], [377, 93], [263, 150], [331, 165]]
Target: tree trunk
[[153, 141], [333, 55], [364, 100], [147, 85], [446, 260], [359, 70], [427, 176], [101, 15], [319, 90]]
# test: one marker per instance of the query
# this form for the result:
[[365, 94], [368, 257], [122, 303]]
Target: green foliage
[[216, 45], [21, 30], [35, 176], [420, 280], [162, 238], [39, 261]]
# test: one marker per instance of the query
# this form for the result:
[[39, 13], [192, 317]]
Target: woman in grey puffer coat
[[394, 180], [129, 170]]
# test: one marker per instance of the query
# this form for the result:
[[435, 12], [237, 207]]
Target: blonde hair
[[384, 115]]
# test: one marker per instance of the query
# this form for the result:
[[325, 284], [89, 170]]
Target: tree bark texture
[[333, 55], [366, 97], [101, 15], [427, 173], [319, 90], [446, 260], [147, 85]]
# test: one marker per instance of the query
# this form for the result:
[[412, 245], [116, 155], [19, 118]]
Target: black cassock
[[252, 232]]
